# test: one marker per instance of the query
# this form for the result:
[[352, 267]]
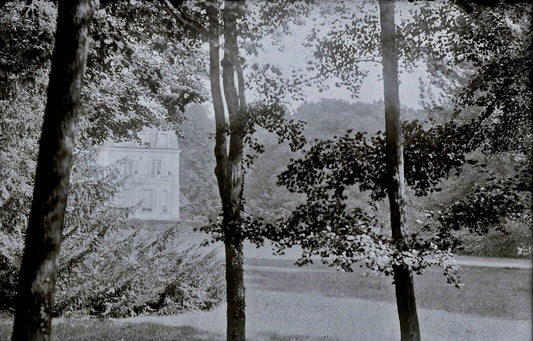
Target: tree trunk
[[403, 277], [43, 237], [229, 165], [235, 294]]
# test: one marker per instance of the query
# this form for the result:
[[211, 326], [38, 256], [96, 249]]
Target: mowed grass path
[[317, 303]]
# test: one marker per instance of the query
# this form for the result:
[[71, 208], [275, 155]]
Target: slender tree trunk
[[403, 277], [236, 105], [43, 237], [235, 293], [229, 164]]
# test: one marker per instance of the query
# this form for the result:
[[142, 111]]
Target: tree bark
[[403, 277], [43, 237], [236, 316], [229, 164]]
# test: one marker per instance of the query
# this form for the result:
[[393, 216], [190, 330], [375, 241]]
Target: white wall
[[143, 179]]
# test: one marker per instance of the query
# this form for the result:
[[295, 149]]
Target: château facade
[[151, 169]]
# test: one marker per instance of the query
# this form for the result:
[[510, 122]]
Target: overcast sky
[[295, 54]]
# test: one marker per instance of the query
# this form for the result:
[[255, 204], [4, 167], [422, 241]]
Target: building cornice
[[141, 148]]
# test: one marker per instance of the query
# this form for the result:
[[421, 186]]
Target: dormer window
[[163, 140]]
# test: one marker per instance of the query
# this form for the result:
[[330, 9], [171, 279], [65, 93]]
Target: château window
[[127, 167], [156, 167], [164, 202], [147, 200]]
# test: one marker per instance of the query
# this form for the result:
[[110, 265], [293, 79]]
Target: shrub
[[10, 255], [106, 267], [137, 271], [513, 242]]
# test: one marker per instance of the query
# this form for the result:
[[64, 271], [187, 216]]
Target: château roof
[[151, 138]]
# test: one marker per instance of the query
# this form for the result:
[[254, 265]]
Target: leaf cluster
[[26, 41], [133, 81], [271, 117], [335, 164], [325, 225], [487, 205]]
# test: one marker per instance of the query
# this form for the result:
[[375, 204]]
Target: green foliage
[[87, 221], [136, 72], [484, 206], [139, 271], [335, 164], [136, 76], [197, 177], [260, 117], [328, 225], [513, 242], [464, 56], [26, 40], [133, 81], [486, 70], [274, 119]]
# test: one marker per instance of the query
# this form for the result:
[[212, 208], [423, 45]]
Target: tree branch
[[216, 93], [172, 6], [464, 5]]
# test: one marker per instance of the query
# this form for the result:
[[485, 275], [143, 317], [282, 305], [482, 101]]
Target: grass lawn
[[488, 292], [316, 303], [93, 329], [285, 302]]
